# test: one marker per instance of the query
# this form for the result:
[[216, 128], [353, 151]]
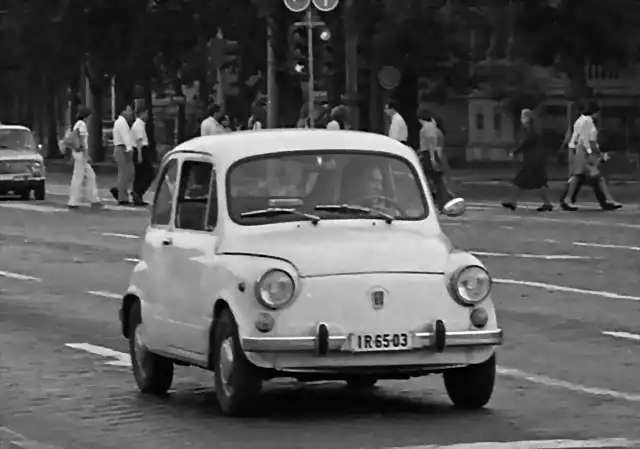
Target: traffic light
[[231, 54], [299, 45], [328, 59]]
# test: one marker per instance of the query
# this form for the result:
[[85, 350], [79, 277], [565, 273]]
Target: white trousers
[[82, 174]]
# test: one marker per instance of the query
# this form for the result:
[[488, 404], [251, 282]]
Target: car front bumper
[[323, 343], [10, 183]]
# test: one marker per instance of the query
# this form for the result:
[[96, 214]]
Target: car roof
[[24, 128], [230, 147]]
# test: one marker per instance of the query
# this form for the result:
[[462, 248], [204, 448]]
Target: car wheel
[[25, 195], [238, 382], [471, 387], [153, 373], [40, 192], [362, 383]]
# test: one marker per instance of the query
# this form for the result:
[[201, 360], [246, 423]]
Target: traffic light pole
[[311, 71]]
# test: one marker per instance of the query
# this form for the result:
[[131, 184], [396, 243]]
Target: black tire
[[362, 383], [40, 192], [237, 396], [157, 374], [471, 387], [25, 195]]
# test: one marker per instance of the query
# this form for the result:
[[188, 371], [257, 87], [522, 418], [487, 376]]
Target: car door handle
[[167, 241]]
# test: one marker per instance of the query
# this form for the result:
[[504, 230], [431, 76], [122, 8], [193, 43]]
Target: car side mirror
[[455, 208]]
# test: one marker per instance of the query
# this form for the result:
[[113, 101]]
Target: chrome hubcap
[[225, 365], [140, 352]]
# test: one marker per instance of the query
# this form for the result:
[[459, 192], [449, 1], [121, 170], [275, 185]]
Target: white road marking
[[131, 259], [506, 227], [17, 440], [121, 236], [567, 221], [121, 359], [534, 256], [550, 382], [562, 288], [540, 444], [624, 335], [601, 245], [21, 277], [105, 294], [33, 208]]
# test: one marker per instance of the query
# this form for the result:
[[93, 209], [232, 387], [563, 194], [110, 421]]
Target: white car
[[309, 254], [22, 169]]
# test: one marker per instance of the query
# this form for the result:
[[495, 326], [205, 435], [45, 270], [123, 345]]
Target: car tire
[[471, 387], [362, 383], [238, 382], [40, 192], [152, 372]]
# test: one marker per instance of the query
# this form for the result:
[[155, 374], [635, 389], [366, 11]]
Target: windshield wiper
[[272, 211], [350, 208]]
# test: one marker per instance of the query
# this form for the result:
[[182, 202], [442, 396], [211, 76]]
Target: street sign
[[297, 5], [326, 5]]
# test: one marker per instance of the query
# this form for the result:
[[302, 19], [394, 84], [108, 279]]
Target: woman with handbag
[[532, 174], [78, 143]]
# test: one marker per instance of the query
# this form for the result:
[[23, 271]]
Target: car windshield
[[16, 139], [324, 185]]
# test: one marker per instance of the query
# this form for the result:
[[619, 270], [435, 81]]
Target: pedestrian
[[398, 128], [585, 163], [211, 125], [430, 154], [78, 143], [123, 146], [258, 119], [440, 149], [339, 118], [142, 161], [533, 171]]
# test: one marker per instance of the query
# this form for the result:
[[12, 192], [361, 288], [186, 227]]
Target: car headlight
[[275, 289], [36, 167], [471, 284]]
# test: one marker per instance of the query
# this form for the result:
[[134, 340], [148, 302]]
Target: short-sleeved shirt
[[211, 127], [80, 127], [139, 132], [398, 129]]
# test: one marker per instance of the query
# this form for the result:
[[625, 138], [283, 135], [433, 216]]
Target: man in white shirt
[[141, 159], [398, 129], [585, 163], [211, 125], [123, 147]]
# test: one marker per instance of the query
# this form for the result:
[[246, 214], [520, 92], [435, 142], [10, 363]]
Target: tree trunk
[[96, 149], [53, 151], [351, 63], [182, 118]]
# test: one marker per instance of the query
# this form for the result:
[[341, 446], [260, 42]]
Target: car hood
[[19, 155], [318, 251]]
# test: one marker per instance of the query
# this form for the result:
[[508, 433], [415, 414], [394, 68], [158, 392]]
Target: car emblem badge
[[377, 298]]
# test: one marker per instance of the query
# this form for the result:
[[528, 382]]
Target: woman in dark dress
[[533, 171]]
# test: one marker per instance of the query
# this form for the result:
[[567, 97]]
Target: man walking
[[123, 155], [211, 125], [398, 129], [141, 158]]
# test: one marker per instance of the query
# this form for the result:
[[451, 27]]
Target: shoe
[[114, 193], [140, 203], [568, 207], [125, 203], [611, 206], [545, 208], [509, 206]]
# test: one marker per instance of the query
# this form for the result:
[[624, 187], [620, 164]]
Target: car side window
[[193, 195], [163, 203]]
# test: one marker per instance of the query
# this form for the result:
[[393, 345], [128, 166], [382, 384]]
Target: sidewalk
[[468, 174]]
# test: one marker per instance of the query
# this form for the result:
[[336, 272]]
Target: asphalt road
[[568, 296]]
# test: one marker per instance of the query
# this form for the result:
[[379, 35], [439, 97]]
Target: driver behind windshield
[[363, 184]]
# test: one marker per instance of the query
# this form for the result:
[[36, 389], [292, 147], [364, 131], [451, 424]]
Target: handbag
[[73, 141]]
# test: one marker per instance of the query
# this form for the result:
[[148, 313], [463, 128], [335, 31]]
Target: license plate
[[381, 342]]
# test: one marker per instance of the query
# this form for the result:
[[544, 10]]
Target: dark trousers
[[592, 182], [143, 173]]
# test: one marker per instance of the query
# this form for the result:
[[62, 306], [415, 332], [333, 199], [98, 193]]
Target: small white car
[[309, 254], [22, 169]]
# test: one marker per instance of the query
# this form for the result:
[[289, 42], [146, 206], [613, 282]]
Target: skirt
[[531, 178]]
